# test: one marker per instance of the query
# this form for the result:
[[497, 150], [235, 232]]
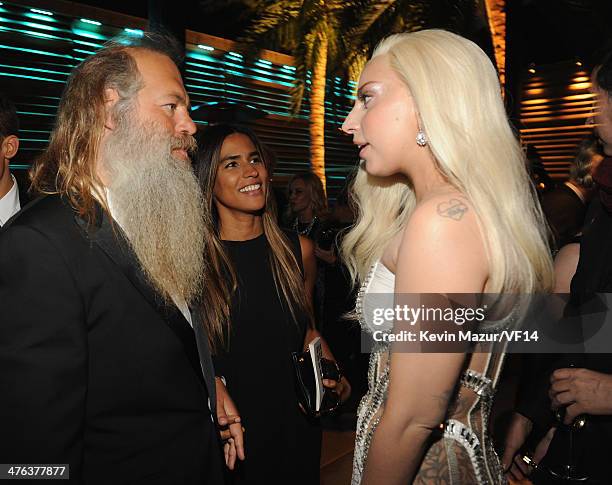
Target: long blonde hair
[[458, 98], [318, 200]]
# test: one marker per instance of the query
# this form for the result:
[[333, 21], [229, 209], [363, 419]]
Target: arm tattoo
[[434, 467], [454, 208]]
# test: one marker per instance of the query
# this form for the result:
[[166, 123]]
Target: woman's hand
[[512, 461], [328, 256], [342, 387], [523, 465], [230, 426]]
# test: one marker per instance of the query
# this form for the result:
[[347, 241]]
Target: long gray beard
[[157, 201]]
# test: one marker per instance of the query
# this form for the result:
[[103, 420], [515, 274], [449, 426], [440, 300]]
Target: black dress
[[281, 445]]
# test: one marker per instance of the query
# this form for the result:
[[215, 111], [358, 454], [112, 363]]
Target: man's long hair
[[67, 167]]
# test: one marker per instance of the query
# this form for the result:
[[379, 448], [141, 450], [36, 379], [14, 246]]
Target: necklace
[[306, 231]]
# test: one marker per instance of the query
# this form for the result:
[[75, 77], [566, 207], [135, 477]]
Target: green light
[[36, 78], [204, 74], [43, 12], [38, 131], [90, 44], [89, 53], [92, 22], [23, 68], [271, 76], [266, 100], [206, 47], [283, 76], [200, 57], [206, 89], [89, 34], [41, 26], [137, 32], [34, 113], [31, 32], [264, 61], [36, 16], [234, 54], [258, 78], [34, 51], [288, 68]]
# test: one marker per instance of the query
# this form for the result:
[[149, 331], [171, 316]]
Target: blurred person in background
[[12, 196], [565, 206], [583, 388]]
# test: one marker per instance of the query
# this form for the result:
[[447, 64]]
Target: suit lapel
[[206, 359], [23, 196], [113, 242]]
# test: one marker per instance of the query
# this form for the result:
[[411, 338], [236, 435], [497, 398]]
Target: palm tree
[[311, 30], [376, 19], [340, 34]]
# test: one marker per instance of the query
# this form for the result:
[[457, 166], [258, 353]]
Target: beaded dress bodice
[[463, 446]]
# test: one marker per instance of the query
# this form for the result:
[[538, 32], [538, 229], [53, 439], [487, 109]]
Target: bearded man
[[102, 365]]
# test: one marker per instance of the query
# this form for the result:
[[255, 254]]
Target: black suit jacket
[[565, 213], [95, 371], [24, 197]]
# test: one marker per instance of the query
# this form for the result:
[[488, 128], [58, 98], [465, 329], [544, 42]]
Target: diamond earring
[[421, 139]]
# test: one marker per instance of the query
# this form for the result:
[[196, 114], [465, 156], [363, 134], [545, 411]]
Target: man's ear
[[111, 96], [10, 145]]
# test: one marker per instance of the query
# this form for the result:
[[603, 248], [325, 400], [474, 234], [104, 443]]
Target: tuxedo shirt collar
[[9, 204]]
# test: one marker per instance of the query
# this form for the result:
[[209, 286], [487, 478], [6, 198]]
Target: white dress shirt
[[9, 204]]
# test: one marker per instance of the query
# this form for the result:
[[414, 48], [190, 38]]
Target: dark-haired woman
[[257, 302]]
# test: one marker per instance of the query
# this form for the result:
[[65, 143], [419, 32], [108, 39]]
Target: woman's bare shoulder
[[445, 212], [443, 240]]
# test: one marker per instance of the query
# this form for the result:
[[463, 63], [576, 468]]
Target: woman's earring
[[421, 139]]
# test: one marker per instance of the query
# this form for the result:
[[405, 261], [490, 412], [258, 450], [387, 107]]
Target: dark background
[[548, 30]]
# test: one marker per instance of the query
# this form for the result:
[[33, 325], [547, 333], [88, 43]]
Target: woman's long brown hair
[[220, 280]]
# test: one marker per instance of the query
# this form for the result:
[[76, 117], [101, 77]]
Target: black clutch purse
[[314, 398]]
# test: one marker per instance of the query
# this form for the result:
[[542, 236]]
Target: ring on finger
[[529, 461]]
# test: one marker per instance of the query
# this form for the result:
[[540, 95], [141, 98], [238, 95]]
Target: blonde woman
[[445, 206]]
